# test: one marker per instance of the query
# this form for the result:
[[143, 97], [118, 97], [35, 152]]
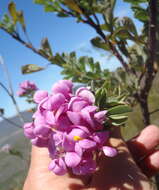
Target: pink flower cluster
[[26, 87], [71, 127]]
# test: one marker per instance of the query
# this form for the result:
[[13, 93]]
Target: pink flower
[[40, 142], [77, 103], [70, 126], [21, 92], [26, 87], [53, 102], [109, 151], [86, 166], [72, 159], [40, 95], [86, 94], [29, 130], [64, 87], [58, 166]]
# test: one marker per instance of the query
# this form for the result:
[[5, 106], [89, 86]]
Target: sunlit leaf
[[99, 43], [73, 5], [12, 11], [45, 45], [40, 1], [30, 68], [21, 20], [121, 109], [136, 1], [140, 13]]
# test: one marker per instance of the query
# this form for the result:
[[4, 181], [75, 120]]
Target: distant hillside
[[13, 169], [7, 128]]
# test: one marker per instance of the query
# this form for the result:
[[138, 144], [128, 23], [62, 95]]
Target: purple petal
[[87, 144], [72, 159], [78, 149], [29, 130], [58, 167], [40, 105], [42, 131], [87, 166], [63, 123], [86, 94], [68, 144], [40, 142], [36, 114], [21, 92], [74, 117], [54, 102], [80, 89], [58, 138], [40, 121], [87, 117], [49, 117], [83, 128], [62, 88], [101, 137], [109, 151], [39, 96], [90, 109], [28, 85], [76, 104], [77, 133], [100, 116], [24, 84], [67, 82], [51, 147], [61, 110]]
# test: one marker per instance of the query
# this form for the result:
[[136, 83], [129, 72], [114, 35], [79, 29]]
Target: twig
[[26, 44], [5, 88], [154, 111], [97, 27], [96, 18], [150, 72], [10, 92], [112, 47]]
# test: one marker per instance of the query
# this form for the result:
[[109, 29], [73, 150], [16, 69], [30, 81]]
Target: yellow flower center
[[77, 138]]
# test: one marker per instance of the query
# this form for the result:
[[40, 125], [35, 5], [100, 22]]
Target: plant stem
[[10, 92], [112, 47], [26, 44], [154, 111], [145, 110], [150, 71]]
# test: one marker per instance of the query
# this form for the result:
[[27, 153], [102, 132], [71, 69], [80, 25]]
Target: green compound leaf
[[118, 120], [121, 109]]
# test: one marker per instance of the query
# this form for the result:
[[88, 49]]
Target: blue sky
[[65, 35]]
